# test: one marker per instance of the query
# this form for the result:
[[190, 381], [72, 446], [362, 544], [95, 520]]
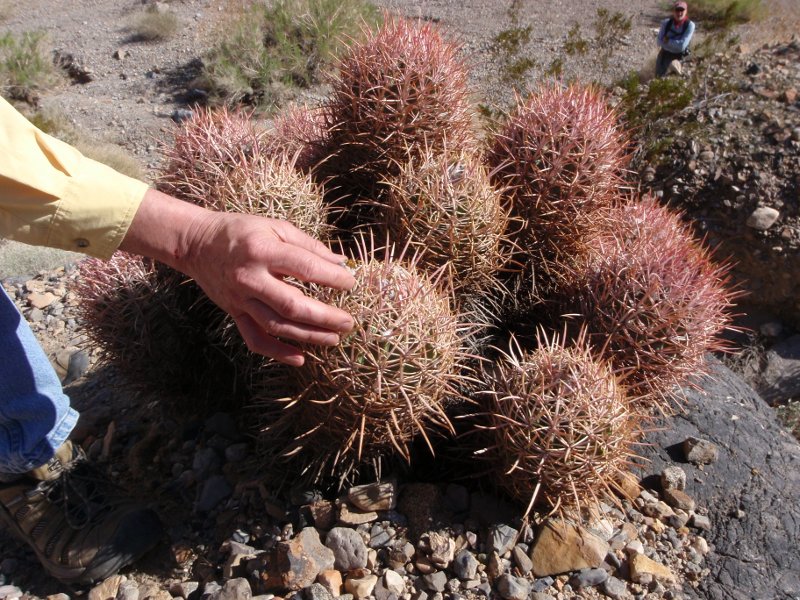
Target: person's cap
[[680, 5]]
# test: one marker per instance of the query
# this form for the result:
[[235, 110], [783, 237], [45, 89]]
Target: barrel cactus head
[[387, 382], [557, 424]]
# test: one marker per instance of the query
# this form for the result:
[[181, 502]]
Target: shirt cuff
[[96, 210]]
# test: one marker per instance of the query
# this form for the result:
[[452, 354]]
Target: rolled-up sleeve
[[52, 195]]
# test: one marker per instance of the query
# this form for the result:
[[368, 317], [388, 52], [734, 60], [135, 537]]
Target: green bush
[[25, 69], [271, 48], [789, 415]]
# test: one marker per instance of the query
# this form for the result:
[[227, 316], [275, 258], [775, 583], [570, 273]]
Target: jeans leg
[[35, 415], [662, 62]]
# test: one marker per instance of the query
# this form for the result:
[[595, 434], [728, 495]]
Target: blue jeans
[[35, 416]]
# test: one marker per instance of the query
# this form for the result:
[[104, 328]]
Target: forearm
[[164, 229]]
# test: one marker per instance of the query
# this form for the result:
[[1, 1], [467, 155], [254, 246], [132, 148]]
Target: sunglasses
[[679, 10]]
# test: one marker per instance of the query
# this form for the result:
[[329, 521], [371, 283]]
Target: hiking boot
[[81, 525]]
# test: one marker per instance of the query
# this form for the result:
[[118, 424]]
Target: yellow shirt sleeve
[[52, 195]]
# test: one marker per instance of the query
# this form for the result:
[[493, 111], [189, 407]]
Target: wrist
[[167, 229]]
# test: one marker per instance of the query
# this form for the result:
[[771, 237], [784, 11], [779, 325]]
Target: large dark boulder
[[752, 491]]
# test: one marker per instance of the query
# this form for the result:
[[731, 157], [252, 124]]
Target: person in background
[[81, 526], [673, 38]]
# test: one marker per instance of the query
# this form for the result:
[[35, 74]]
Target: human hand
[[241, 262]]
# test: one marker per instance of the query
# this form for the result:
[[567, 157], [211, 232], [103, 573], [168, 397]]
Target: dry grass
[[154, 25], [6, 10], [56, 124]]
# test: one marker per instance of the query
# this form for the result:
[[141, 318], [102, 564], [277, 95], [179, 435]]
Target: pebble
[[520, 556], [700, 452], [700, 522], [513, 588], [588, 578], [215, 490], [763, 218], [373, 497], [678, 499], [614, 588], [128, 590], [435, 582], [502, 538], [331, 579], [317, 591], [107, 588], [348, 548], [673, 478], [465, 565], [394, 582]]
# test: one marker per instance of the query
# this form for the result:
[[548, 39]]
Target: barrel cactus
[[557, 425]]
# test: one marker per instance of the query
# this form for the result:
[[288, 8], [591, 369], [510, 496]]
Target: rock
[[679, 499], [296, 563], [699, 451], [323, 513], [77, 367], [513, 588], [440, 548], [762, 218], [120, 54], [348, 516], [107, 590], [789, 95], [215, 490], [641, 566], [373, 497], [317, 591], [700, 522], [72, 66], [758, 472], [614, 588], [233, 589], [588, 578], [627, 484], [562, 547], [348, 547], [41, 300], [179, 115], [393, 582], [502, 538], [521, 559], [780, 380], [183, 589], [465, 565], [331, 580], [435, 582], [496, 566], [237, 555], [673, 478], [657, 510]]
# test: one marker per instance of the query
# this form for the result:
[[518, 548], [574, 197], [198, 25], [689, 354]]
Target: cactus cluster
[[449, 235]]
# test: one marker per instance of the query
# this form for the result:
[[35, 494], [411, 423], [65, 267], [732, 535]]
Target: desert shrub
[[269, 48], [154, 25], [726, 13], [25, 68]]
